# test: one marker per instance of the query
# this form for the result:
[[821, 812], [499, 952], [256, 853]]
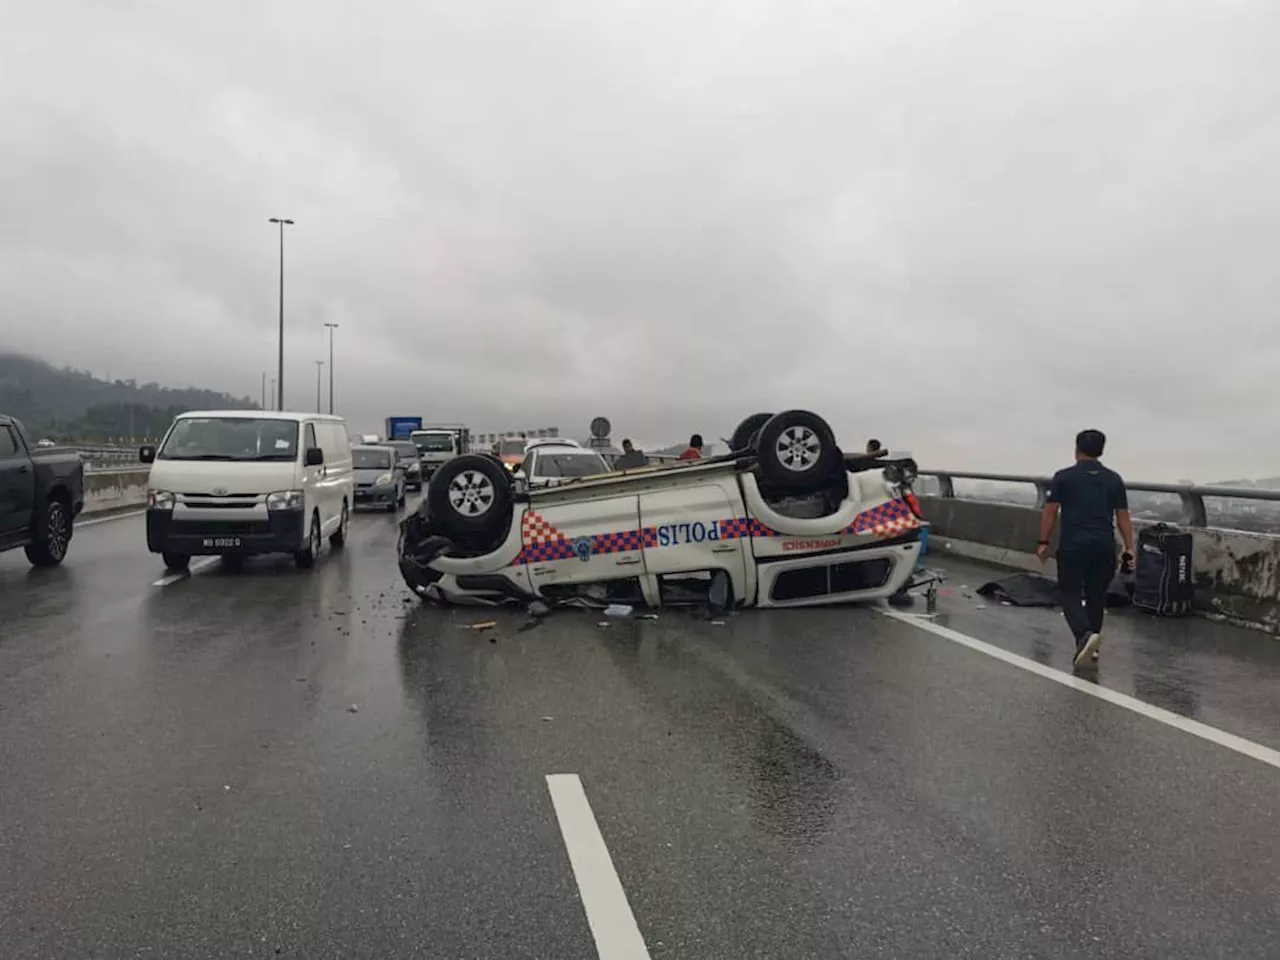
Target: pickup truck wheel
[[744, 438], [53, 536], [471, 494], [797, 451], [176, 562]]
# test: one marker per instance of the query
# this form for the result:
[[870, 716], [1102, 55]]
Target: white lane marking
[[196, 567], [608, 912], [1248, 748], [114, 516]]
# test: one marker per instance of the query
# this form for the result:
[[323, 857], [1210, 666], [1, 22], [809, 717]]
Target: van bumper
[[280, 532]]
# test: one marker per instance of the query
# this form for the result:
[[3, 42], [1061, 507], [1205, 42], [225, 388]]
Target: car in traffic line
[[553, 461], [235, 483], [510, 452], [378, 476], [436, 446], [41, 494], [409, 461], [784, 519]]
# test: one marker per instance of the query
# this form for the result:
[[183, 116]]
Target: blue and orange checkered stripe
[[562, 547], [892, 514]]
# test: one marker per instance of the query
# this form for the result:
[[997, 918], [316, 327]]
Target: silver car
[[379, 478]]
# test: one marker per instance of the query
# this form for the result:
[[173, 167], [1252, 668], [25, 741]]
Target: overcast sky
[[968, 227]]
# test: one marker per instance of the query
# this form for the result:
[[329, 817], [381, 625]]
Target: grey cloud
[[968, 229]]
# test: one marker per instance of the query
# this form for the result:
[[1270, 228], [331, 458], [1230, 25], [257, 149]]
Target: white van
[[234, 483]]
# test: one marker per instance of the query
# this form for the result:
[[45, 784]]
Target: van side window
[[8, 445], [309, 438]]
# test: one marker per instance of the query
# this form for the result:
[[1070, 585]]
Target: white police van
[[786, 519]]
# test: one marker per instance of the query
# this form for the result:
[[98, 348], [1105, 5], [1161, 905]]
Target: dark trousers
[[1084, 573]]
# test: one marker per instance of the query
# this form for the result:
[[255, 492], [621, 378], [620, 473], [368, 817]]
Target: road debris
[[484, 625]]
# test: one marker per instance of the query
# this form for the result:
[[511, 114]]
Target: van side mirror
[[314, 457], [147, 454]]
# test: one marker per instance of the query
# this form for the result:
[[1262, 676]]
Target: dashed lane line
[[613, 925], [196, 567], [1248, 748]]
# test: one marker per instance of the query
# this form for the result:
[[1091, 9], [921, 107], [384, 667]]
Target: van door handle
[[627, 561], [725, 548]]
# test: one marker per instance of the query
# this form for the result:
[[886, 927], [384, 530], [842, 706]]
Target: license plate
[[216, 542]]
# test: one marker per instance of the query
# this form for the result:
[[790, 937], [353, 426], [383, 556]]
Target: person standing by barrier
[[1087, 496], [631, 457], [694, 450]]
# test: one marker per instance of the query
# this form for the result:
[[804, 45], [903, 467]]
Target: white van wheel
[[306, 559]]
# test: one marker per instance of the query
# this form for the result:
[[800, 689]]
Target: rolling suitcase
[[1162, 581]]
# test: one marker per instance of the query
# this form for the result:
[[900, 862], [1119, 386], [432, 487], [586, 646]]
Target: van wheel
[[471, 494], [176, 562], [744, 438], [53, 536], [339, 537], [306, 559], [797, 451]]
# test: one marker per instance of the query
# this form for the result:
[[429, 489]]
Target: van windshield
[[433, 442], [231, 438]]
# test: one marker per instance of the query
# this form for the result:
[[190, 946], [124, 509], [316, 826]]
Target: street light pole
[[264, 389], [332, 327], [280, 357], [319, 367]]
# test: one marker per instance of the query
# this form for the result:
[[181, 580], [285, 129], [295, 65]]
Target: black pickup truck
[[41, 494]]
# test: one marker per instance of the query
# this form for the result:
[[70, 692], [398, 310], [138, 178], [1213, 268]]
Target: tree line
[[66, 404]]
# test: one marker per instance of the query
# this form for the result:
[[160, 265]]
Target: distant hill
[[68, 404]]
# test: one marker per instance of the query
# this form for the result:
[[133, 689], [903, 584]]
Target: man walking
[[1088, 496]]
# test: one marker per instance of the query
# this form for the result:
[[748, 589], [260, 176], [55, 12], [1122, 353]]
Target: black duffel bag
[[1162, 582]]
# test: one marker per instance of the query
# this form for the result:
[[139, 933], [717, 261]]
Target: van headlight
[[159, 500], [383, 480], [285, 500]]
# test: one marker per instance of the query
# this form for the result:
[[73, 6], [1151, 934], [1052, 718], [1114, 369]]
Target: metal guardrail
[[1192, 495]]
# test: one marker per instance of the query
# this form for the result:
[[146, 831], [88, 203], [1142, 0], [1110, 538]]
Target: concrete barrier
[[1237, 574], [106, 490]]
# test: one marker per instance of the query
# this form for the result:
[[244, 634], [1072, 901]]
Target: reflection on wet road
[[311, 764]]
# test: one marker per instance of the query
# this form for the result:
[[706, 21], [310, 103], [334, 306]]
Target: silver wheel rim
[[471, 494], [57, 531], [798, 449]]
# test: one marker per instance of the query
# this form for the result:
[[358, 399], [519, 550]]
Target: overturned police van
[[785, 519]]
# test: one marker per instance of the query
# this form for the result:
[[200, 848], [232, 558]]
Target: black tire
[[306, 558], [338, 539], [176, 562], [797, 451], [744, 438], [53, 535], [471, 494]]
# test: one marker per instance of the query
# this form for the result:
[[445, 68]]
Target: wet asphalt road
[[182, 775]]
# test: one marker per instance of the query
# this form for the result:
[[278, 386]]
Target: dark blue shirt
[[1089, 495]]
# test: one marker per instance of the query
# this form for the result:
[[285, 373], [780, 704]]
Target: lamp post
[[319, 367], [280, 357], [332, 327], [264, 389]]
